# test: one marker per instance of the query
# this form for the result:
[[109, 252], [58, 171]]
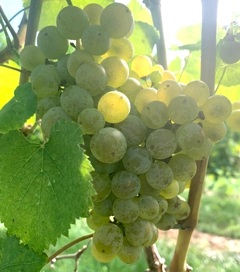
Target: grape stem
[[69, 2], [221, 78], [185, 65], [15, 69]]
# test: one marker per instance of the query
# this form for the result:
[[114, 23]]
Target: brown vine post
[[208, 68]]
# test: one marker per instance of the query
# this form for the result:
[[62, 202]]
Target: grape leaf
[[21, 107], [15, 257], [231, 76], [232, 93], [139, 12], [44, 188], [144, 37]]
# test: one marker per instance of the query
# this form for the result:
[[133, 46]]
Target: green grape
[[142, 65], [117, 71], [157, 67], [134, 75], [137, 160], [93, 12], [214, 131], [182, 109], [130, 88], [102, 186], [47, 103], [217, 108], [95, 40], [190, 135], [155, 114], [198, 90], [31, 57], [163, 204], [183, 167], [174, 205], [145, 96], [167, 90], [166, 222], [159, 175], [171, 191], [105, 207], [126, 210], [230, 52], [51, 117], [121, 48], [182, 186], [148, 207], [99, 96], [161, 143], [129, 253], [76, 59], [63, 70], [108, 145], [102, 257], [96, 220], [125, 185], [117, 19], [44, 85], [91, 77], [146, 188], [236, 105], [155, 234], [184, 211], [51, 43], [114, 106], [233, 121], [71, 22], [75, 99], [108, 239], [139, 232], [202, 152], [133, 129], [156, 76], [91, 120], [48, 70], [134, 110]]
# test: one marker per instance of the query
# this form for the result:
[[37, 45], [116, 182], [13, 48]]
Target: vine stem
[[76, 241], [221, 78], [15, 69]]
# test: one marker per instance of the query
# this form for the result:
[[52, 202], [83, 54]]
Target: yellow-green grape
[[108, 239], [93, 12], [182, 109], [168, 75], [105, 207], [71, 22], [44, 85], [63, 71], [133, 129], [91, 120], [146, 188], [96, 220], [117, 71], [148, 207], [122, 48], [137, 160], [233, 121], [102, 186], [125, 185], [161, 143], [184, 211], [174, 205], [76, 59], [155, 114], [95, 40], [200, 153], [159, 175], [190, 135], [126, 210], [139, 232], [108, 145], [51, 43], [91, 77], [230, 52], [198, 90], [167, 90], [31, 57], [163, 204], [134, 75], [183, 167], [75, 99], [182, 186], [217, 108], [145, 96], [48, 70], [51, 117], [129, 253], [141, 65], [96, 98], [117, 19], [171, 191], [157, 67], [130, 88], [102, 257], [47, 103], [114, 106], [236, 105], [166, 222], [155, 234], [155, 77], [214, 131]]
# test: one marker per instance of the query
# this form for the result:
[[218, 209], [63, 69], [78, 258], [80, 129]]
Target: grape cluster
[[142, 137]]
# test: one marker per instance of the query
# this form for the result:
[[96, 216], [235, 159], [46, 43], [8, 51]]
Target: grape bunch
[[143, 131]]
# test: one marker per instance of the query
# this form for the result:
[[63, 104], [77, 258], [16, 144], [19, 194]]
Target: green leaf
[[144, 37], [44, 188], [19, 109], [15, 257], [190, 34], [139, 12], [231, 76], [232, 93]]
